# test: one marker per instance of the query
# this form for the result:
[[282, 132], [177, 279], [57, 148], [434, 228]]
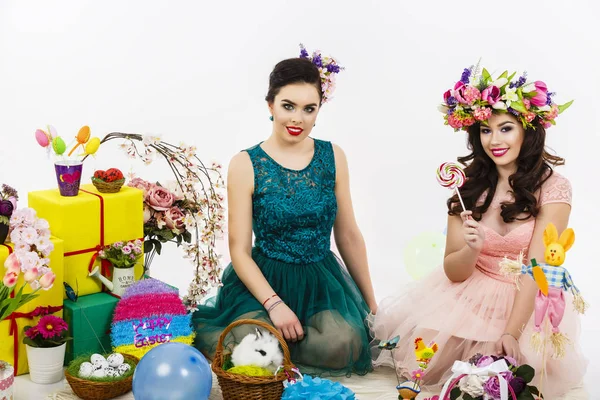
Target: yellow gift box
[[86, 223], [12, 348]]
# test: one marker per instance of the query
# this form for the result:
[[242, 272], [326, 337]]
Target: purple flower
[[549, 99], [475, 359], [9, 191], [451, 101], [303, 53], [465, 76], [492, 386], [517, 384], [334, 69], [513, 111], [317, 61], [485, 361], [6, 208]]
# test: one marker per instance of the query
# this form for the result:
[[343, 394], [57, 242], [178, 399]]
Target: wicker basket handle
[[287, 362], [455, 382]]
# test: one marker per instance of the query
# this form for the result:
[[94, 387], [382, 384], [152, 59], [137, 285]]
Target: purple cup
[[68, 176]]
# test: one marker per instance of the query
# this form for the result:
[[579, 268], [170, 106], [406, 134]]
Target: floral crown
[[477, 95], [327, 66]]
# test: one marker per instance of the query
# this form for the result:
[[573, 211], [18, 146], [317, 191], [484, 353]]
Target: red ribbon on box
[[13, 329], [105, 264]]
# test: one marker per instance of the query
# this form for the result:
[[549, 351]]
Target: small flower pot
[[46, 363]]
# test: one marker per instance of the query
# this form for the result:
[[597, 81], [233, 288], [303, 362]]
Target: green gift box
[[89, 320]]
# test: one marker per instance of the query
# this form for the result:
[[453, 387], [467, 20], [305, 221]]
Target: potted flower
[[46, 344], [31, 238], [123, 257], [8, 203]]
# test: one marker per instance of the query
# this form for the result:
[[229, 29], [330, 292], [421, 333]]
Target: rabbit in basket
[[259, 349]]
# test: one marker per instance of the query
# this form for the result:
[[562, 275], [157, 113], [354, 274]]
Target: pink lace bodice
[[557, 189]]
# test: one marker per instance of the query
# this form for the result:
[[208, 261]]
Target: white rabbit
[[260, 349]]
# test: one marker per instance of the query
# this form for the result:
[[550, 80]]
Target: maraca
[[451, 175]]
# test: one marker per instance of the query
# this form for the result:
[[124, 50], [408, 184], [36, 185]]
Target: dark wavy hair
[[290, 71], [534, 167]]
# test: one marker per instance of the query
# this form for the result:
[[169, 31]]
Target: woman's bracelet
[[511, 335], [268, 298], [278, 302]]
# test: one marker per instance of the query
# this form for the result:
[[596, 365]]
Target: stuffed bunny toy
[[260, 349], [553, 280]]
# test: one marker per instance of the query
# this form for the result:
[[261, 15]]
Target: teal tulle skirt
[[324, 297]]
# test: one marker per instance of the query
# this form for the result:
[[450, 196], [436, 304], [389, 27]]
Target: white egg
[[112, 372], [100, 364], [86, 369], [115, 359], [99, 373], [123, 368], [96, 357]]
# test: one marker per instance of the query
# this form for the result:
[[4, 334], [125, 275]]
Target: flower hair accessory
[[328, 68], [477, 95]]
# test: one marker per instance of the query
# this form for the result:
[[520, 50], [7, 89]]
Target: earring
[[271, 118], [314, 125]]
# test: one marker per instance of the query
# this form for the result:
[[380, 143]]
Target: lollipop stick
[[461, 200]]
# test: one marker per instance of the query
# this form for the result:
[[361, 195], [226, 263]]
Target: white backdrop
[[197, 72]]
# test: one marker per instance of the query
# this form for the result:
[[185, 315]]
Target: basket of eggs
[[109, 181], [101, 378]]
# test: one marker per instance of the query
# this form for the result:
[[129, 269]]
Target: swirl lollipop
[[451, 175]]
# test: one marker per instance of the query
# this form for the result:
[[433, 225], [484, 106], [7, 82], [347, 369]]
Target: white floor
[[379, 385]]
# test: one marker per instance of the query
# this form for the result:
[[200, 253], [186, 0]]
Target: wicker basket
[[90, 390], [108, 187], [241, 387]]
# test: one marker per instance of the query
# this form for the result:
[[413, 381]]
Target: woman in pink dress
[[511, 194]]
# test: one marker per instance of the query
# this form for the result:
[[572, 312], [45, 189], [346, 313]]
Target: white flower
[[42, 225], [528, 88], [499, 105], [29, 235], [35, 285], [499, 82], [544, 108], [151, 139], [472, 385], [510, 95]]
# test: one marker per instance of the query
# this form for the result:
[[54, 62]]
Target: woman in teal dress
[[291, 191]]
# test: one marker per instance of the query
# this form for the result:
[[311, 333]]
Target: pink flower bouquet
[[32, 247]]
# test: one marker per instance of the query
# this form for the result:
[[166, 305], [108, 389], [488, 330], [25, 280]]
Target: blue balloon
[[173, 371]]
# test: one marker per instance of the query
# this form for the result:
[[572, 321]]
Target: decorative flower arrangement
[[50, 331], [191, 210], [32, 247], [486, 386], [476, 96], [328, 68], [8, 203], [50, 140], [122, 255]]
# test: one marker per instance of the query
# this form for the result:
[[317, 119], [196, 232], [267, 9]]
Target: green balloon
[[424, 253]]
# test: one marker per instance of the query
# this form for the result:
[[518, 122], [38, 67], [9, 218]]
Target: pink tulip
[[10, 279], [491, 94], [47, 280], [13, 264], [42, 138], [541, 94], [31, 274], [447, 96]]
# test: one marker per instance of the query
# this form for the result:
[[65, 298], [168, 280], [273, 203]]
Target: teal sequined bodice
[[294, 211]]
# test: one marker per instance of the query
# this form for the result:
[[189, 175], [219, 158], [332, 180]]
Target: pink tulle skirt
[[464, 319]]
